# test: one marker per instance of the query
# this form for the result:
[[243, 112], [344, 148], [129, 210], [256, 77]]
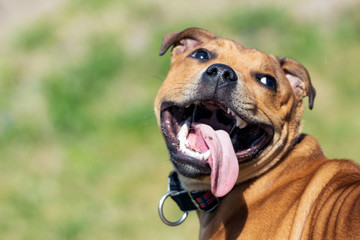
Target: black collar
[[190, 201]]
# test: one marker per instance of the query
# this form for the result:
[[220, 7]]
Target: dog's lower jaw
[[195, 184]]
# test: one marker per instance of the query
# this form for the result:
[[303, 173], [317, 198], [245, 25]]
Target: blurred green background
[[80, 153]]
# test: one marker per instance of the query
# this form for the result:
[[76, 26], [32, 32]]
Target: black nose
[[220, 73]]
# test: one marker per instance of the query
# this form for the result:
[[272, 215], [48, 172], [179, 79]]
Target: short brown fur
[[291, 190]]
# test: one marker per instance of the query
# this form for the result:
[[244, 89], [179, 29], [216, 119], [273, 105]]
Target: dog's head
[[227, 113]]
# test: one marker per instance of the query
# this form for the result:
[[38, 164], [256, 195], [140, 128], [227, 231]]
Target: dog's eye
[[201, 54], [267, 80]]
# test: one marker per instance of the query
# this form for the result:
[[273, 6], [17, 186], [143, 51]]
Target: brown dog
[[231, 119]]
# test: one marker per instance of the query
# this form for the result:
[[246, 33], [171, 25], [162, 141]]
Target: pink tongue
[[223, 162]]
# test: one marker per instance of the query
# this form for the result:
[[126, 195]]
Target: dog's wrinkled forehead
[[206, 48], [226, 51], [242, 58]]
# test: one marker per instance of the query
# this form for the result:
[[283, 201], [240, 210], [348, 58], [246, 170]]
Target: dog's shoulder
[[330, 201]]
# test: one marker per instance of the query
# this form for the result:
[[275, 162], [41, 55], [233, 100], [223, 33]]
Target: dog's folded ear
[[185, 40], [299, 79]]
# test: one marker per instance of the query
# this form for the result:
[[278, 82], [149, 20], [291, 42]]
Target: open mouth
[[181, 127]]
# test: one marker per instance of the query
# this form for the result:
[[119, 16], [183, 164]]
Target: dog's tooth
[[206, 155], [186, 143], [194, 154], [240, 123], [228, 110], [184, 130], [182, 136], [200, 156], [243, 125], [182, 146]]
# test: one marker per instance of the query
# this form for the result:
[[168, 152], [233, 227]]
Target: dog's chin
[[195, 184], [248, 138], [190, 167]]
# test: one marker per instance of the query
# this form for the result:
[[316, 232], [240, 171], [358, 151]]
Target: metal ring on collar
[[161, 213]]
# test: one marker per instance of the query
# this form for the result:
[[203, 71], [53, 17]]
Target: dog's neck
[[250, 196]]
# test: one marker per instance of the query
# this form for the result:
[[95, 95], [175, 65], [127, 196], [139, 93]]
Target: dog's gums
[[179, 123]]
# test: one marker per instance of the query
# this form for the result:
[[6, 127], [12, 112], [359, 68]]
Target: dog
[[231, 118]]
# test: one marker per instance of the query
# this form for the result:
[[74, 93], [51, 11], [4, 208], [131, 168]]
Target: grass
[[81, 154], [36, 36], [71, 90]]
